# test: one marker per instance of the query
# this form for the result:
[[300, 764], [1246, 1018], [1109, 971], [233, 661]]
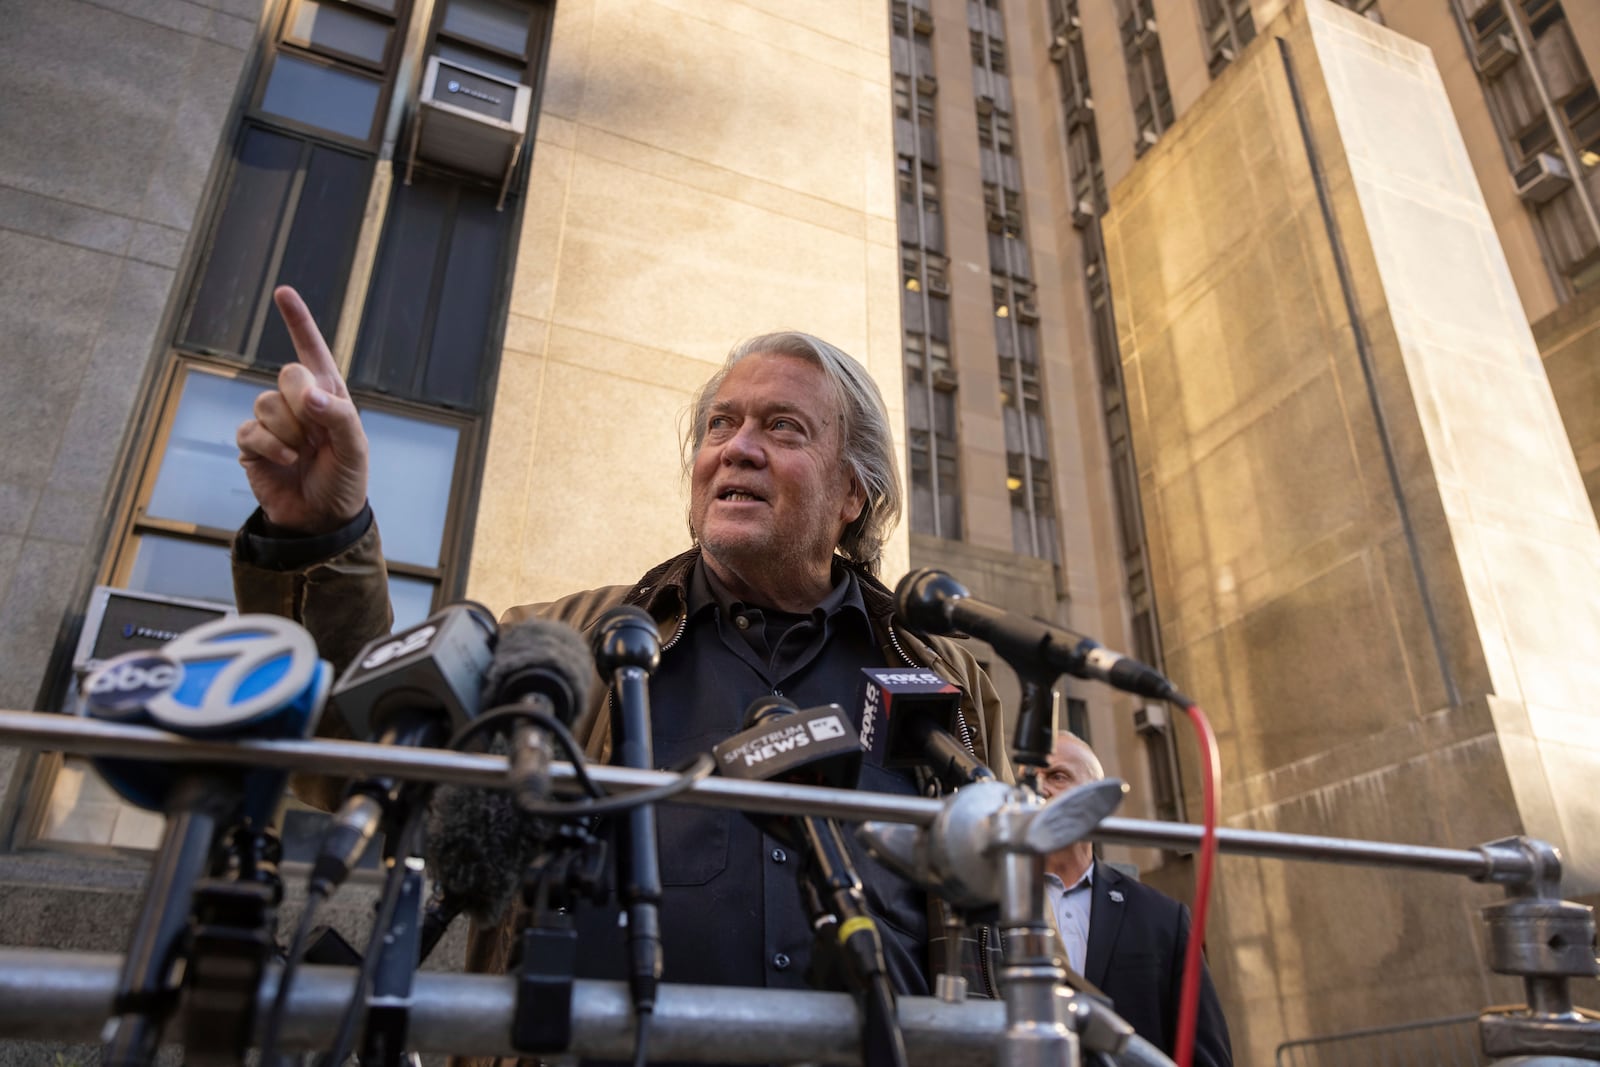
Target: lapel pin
[[1116, 895]]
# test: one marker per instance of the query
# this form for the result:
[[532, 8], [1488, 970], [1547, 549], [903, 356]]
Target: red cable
[[1210, 772]]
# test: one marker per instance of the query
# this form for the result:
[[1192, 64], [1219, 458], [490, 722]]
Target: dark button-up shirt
[[731, 912]]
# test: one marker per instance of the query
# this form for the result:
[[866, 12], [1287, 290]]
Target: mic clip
[[571, 869]]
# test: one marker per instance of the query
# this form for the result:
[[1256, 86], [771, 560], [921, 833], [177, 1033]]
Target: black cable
[[518, 713], [356, 1009], [641, 1035], [297, 950], [604, 803], [882, 1041], [611, 803]]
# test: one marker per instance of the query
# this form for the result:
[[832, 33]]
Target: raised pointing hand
[[305, 452]]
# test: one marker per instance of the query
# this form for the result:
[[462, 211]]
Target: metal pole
[[352, 758], [66, 996]]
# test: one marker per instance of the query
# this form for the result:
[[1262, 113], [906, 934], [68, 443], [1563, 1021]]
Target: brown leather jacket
[[344, 603]]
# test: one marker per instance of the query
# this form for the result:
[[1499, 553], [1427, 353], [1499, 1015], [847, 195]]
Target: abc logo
[[128, 681]]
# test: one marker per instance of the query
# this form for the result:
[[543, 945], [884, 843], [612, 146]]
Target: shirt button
[[779, 856], [781, 961], [741, 622]]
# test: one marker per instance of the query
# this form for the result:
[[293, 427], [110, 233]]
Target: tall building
[[1242, 491], [1076, 242]]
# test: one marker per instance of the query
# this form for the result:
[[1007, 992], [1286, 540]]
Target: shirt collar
[[1084, 882], [706, 592]]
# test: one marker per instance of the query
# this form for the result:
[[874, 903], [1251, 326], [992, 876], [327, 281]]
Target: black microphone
[[933, 601], [909, 716], [479, 841], [411, 689], [627, 648], [819, 747], [545, 666]]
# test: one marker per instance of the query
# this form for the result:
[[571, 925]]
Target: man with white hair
[[793, 492], [1124, 937]]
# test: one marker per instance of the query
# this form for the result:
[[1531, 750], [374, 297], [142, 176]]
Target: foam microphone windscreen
[[479, 841], [541, 657]]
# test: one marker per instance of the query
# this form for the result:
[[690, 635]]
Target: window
[[197, 494], [1228, 27], [292, 208], [291, 216], [1546, 110], [430, 314]]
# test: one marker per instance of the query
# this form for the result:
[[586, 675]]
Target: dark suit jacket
[[1135, 956]]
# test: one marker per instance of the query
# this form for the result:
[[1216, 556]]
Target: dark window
[[430, 314], [291, 216]]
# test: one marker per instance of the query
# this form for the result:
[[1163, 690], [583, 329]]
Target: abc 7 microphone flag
[[247, 676]]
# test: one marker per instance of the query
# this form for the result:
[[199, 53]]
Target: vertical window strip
[[930, 378]]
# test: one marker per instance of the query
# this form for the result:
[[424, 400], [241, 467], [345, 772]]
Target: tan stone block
[[569, 543], [636, 245], [539, 244], [747, 119], [508, 463]]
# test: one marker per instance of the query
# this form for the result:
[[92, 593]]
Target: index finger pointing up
[[309, 346]]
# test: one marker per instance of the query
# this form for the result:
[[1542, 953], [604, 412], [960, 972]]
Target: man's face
[[1070, 766], [770, 490]]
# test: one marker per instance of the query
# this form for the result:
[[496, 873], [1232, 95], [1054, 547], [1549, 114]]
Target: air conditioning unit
[[996, 220], [1151, 719], [1083, 214], [1147, 138], [1497, 54], [927, 84], [944, 379], [124, 620], [469, 121], [1542, 179], [938, 283], [1058, 47], [921, 21], [1145, 35], [1074, 28], [1225, 55], [1027, 310], [985, 104]]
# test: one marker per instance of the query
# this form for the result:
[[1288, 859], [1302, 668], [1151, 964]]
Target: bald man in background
[[1123, 936]]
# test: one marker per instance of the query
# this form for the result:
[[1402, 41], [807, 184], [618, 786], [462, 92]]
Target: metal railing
[[1451, 1041]]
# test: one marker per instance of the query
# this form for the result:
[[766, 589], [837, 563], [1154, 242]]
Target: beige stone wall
[[1569, 342], [108, 134], [703, 172], [1283, 552]]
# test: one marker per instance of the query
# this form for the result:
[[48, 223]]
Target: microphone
[[627, 648], [933, 601], [411, 689], [479, 843], [819, 747], [545, 666], [249, 676], [908, 718], [781, 743]]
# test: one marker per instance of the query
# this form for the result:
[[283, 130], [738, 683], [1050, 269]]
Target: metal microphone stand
[[987, 847], [233, 940], [1546, 941]]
